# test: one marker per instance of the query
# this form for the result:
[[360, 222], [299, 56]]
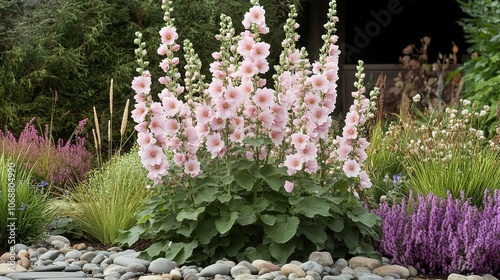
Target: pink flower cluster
[[237, 104]]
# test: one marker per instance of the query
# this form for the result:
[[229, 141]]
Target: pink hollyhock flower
[[277, 137], [214, 144], [171, 126], [140, 112], [192, 167], [351, 168], [364, 180], [266, 118], [361, 155], [224, 108], [260, 51], [331, 76], [233, 95], [151, 154], [319, 82], [171, 106], [363, 143], [293, 163], [144, 139], [157, 171], [237, 136], [263, 98], [263, 29], [179, 159], [163, 49], [319, 114], [156, 109], [262, 65], [299, 140], [164, 65], [350, 132], [191, 134], [217, 123], [216, 88], [157, 125], [245, 46], [312, 100], [168, 35], [255, 15], [352, 118], [289, 186], [246, 87], [141, 84], [308, 152], [344, 150], [203, 114], [247, 69], [312, 166], [142, 127], [238, 122]]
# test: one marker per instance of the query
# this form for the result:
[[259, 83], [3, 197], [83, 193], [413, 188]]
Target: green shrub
[[23, 206], [108, 201]]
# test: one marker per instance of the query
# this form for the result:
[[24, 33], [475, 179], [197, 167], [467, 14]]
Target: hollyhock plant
[[237, 144]]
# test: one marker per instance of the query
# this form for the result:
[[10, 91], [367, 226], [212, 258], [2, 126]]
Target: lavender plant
[[443, 235]]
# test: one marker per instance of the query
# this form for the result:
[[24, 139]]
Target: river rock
[[311, 266], [50, 255], [323, 258], [80, 246], [289, 268], [385, 270], [136, 268], [364, 261], [161, 265], [6, 268], [215, 269], [24, 262], [455, 276], [239, 269]]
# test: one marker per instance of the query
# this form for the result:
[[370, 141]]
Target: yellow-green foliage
[[109, 200]]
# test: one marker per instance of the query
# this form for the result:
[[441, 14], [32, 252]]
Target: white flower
[[416, 98], [482, 113]]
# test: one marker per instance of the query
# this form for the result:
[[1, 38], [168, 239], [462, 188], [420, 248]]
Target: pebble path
[[59, 261]]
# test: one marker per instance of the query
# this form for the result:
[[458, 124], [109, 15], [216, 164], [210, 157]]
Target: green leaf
[[337, 225], [189, 214], [206, 230], [224, 223], [227, 179], [273, 176], [245, 180], [281, 252], [246, 216], [313, 232], [312, 206], [282, 232], [260, 204], [157, 248], [268, 219], [368, 219], [350, 237], [186, 252], [206, 195], [261, 252], [145, 218], [131, 236], [224, 198], [253, 141]]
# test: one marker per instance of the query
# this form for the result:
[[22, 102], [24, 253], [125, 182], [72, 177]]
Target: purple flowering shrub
[[58, 162], [438, 235]]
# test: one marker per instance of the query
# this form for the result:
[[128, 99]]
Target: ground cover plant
[[60, 163], [443, 235], [246, 170]]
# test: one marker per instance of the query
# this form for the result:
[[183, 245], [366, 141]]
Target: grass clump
[[110, 198]]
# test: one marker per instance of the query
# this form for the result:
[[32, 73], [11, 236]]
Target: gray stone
[[370, 277], [293, 276], [341, 264], [323, 258], [474, 277], [311, 265], [51, 267], [455, 276], [192, 277], [73, 254], [87, 268], [281, 277], [113, 276], [88, 256], [246, 277], [151, 277], [313, 274], [289, 268], [18, 247], [128, 259], [240, 269], [270, 275], [489, 277], [42, 250], [388, 278], [60, 258], [252, 268], [61, 263], [60, 238], [386, 261], [413, 271], [348, 270], [127, 276], [309, 277], [72, 268], [136, 268], [161, 265], [97, 271], [98, 259], [113, 269], [47, 275], [215, 269], [335, 272], [347, 275], [384, 270], [4, 278], [394, 275], [50, 255], [124, 253], [339, 277]]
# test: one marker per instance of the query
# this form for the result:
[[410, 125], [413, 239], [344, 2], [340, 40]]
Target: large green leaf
[[350, 237], [206, 230], [245, 180], [189, 214], [209, 194], [312, 206], [282, 232], [336, 225], [368, 219], [273, 176], [268, 219], [261, 252], [246, 216], [227, 179], [253, 141], [224, 223], [281, 252], [313, 232]]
